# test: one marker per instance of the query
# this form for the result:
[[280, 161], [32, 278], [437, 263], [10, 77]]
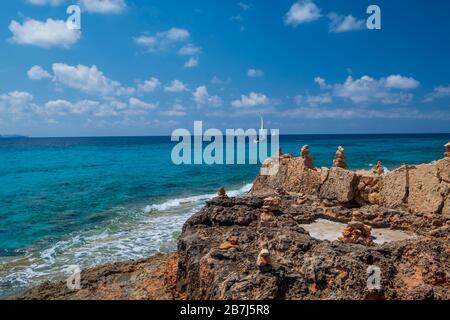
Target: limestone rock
[[424, 190], [378, 169], [340, 160], [306, 156], [443, 167], [394, 191], [222, 193], [340, 185], [271, 204], [447, 148], [368, 189], [302, 199], [300, 178], [264, 262], [357, 233]]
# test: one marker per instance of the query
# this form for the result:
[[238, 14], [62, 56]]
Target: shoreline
[[220, 249]]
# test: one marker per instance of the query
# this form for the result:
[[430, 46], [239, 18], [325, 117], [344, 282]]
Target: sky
[[149, 67]]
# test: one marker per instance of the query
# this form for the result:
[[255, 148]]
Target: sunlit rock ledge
[[283, 240]]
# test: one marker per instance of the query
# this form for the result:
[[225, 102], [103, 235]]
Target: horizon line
[[18, 136]]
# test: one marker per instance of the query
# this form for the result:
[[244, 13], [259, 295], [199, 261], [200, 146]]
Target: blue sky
[[149, 67]]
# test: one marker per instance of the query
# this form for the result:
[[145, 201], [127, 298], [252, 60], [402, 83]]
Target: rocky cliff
[[257, 246]]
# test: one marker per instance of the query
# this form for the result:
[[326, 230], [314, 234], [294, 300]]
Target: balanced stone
[[339, 160], [222, 193], [378, 169], [306, 156], [264, 262]]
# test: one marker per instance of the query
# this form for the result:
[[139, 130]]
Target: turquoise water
[[89, 201]]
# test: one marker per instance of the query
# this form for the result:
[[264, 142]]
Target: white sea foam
[[173, 203], [132, 236]]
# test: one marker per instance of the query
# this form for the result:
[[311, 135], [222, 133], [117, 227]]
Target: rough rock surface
[[425, 190], [150, 279], [255, 248], [303, 267]]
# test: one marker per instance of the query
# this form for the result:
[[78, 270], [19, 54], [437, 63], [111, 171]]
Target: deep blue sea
[[90, 201]]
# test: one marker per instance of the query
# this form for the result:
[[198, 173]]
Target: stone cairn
[[264, 262], [357, 232], [378, 169], [339, 160], [222, 194], [270, 205], [447, 147], [280, 154], [306, 156]]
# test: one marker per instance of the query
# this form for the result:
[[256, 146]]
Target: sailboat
[[262, 136]]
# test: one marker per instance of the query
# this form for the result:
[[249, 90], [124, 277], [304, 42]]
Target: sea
[[84, 202]]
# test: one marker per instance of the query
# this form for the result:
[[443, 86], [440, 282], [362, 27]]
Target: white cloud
[[51, 33], [251, 100], [177, 110], [400, 82], [302, 12], [62, 107], [15, 102], [202, 97], [368, 89], [136, 103], [175, 86], [103, 6], [189, 50], [438, 93], [88, 79], [244, 6], [321, 82], [255, 73], [364, 113], [38, 73], [341, 23], [149, 85], [191, 63], [46, 2], [313, 100], [163, 40]]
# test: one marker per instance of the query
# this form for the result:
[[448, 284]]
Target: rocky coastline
[[255, 247]]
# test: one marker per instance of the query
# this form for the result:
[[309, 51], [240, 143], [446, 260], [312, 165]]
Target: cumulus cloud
[[189, 50], [365, 113], [177, 110], [255, 73], [302, 12], [202, 97], [191, 63], [438, 93], [400, 82], [251, 100], [46, 2], [38, 73], [44, 34], [103, 6], [175, 86], [88, 79], [322, 83], [15, 102], [149, 85], [139, 104], [163, 40], [342, 23], [368, 89], [313, 100]]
